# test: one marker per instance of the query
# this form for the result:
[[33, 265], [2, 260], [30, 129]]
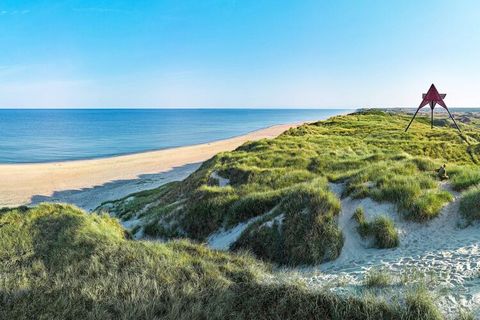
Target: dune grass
[[381, 229], [378, 278], [368, 151], [56, 262], [308, 232], [470, 205], [420, 305], [464, 178]]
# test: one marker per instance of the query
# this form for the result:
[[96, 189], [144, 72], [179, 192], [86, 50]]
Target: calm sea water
[[28, 136]]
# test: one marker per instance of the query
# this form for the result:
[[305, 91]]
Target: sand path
[[28, 183]]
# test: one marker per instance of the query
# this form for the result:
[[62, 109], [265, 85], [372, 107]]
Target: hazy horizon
[[230, 54]]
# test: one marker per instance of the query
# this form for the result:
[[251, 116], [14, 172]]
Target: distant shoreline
[[59, 162], [23, 182], [58, 135]]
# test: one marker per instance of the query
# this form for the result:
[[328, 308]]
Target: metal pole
[[456, 125], [431, 117], [413, 118]]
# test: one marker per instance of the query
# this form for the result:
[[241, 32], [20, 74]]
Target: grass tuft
[[470, 205], [420, 305], [381, 229], [377, 278]]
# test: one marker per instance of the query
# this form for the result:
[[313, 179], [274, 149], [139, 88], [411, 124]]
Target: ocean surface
[[48, 135]]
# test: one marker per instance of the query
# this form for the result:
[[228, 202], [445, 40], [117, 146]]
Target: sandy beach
[[87, 183]]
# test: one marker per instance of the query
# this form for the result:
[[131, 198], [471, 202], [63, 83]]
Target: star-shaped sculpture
[[432, 98]]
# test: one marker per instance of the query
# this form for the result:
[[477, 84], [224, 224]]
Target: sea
[[51, 135]]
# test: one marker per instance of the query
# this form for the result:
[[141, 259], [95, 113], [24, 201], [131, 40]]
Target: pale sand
[[29, 183], [441, 250]]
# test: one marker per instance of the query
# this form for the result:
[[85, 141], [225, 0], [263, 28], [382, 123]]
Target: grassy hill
[[57, 262], [284, 184]]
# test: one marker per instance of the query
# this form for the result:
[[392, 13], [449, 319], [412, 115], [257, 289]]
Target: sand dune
[[19, 183], [440, 249]]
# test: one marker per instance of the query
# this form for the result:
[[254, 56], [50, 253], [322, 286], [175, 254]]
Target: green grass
[[368, 151], [420, 305], [378, 278], [308, 232], [56, 262], [470, 205], [464, 178], [381, 229]]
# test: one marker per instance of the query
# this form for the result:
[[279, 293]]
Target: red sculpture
[[432, 97]]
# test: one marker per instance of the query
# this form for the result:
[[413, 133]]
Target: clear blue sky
[[245, 53]]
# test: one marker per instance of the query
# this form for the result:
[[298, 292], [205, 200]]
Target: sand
[[87, 183], [443, 252]]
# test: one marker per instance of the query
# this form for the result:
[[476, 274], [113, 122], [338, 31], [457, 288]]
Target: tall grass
[[470, 205], [378, 278], [307, 234], [465, 177], [56, 262], [368, 151], [381, 229]]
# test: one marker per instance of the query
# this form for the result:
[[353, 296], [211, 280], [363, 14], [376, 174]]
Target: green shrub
[[363, 226], [252, 205]]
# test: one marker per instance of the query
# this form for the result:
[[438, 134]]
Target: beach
[[87, 183]]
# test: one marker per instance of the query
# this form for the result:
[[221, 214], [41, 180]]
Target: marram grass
[[368, 151], [57, 262]]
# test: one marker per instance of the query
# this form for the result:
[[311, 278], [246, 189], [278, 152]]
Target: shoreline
[[30, 183], [148, 150]]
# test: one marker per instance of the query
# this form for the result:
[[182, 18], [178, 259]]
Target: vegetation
[[464, 178], [57, 262], [377, 278], [470, 205], [368, 151], [306, 233], [420, 305], [381, 229]]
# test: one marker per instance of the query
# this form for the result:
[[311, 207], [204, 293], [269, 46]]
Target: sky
[[244, 53]]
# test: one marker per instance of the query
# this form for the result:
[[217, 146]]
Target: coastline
[[24, 184]]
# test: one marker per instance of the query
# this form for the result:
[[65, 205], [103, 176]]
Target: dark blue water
[[55, 135]]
